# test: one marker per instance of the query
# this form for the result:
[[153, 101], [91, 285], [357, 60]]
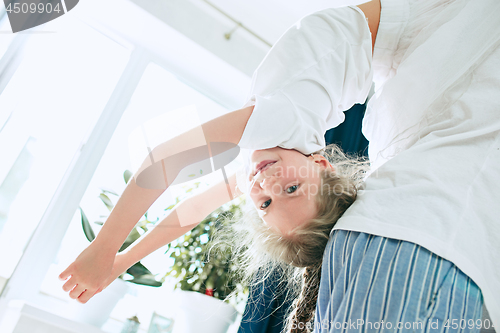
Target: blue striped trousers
[[376, 284]]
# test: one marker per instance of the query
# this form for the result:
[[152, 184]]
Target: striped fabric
[[376, 284]]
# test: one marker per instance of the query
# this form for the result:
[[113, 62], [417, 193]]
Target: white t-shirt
[[433, 123]]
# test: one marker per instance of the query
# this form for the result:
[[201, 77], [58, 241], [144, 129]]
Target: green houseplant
[[198, 267], [141, 275], [202, 270]]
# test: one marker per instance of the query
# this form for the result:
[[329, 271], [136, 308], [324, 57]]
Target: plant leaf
[[87, 229], [138, 270], [105, 199], [132, 237], [127, 174], [109, 191]]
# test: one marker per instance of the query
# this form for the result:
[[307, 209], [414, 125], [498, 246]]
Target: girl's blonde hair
[[262, 250]]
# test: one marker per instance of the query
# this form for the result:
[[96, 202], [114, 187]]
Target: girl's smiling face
[[283, 184]]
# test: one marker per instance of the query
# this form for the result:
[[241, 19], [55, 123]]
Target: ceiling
[[213, 24], [270, 18]]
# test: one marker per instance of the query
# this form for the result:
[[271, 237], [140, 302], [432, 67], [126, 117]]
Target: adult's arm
[[372, 11]]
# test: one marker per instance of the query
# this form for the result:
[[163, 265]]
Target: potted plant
[[207, 276]]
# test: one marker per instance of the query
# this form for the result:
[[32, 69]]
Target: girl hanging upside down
[[410, 245]]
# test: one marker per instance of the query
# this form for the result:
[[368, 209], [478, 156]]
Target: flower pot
[[202, 313], [97, 310]]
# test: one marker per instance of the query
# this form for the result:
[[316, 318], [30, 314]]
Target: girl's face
[[283, 185]]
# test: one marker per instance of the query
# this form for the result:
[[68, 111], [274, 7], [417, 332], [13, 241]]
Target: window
[[6, 35], [53, 99], [75, 71], [158, 92]]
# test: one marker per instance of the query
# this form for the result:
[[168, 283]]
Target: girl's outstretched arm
[[94, 265], [185, 216]]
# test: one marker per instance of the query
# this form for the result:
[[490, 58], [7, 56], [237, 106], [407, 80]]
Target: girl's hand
[[88, 273]]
